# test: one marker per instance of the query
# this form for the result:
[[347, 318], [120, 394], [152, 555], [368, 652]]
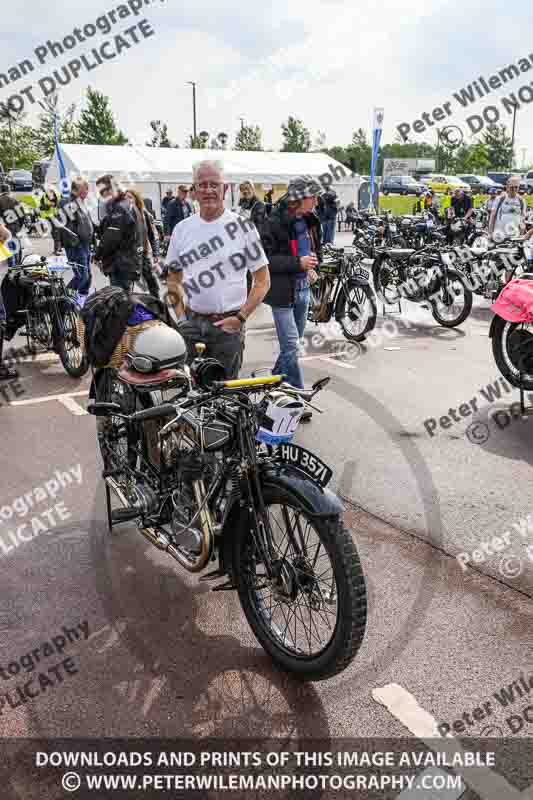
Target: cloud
[[323, 60]]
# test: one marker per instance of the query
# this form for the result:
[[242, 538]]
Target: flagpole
[[376, 139]]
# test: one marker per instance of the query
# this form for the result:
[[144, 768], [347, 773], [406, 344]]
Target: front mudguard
[[311, 497]]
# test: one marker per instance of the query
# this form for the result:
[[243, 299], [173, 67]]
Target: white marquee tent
[[154, 170]]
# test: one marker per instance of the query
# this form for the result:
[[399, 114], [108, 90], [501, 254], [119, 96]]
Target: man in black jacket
[[122, 244], [250, 204], [177, 210], [77, 235], [292, 238]]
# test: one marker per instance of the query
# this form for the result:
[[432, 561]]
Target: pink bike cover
[[515, 301]]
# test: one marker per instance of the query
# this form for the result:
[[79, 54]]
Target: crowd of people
[[266, 251]]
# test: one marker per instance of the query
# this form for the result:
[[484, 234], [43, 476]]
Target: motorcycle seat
[[133, 378]]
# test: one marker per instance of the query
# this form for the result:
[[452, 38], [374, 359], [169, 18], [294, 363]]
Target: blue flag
[[376, 139]]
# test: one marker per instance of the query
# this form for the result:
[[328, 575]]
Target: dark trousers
[[81, 256], [228, 348], [149, 277]]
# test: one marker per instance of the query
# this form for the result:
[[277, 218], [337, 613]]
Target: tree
[[18, 147], [249, 138], [296, 137], [97, 123], [68, 131], [160, 134], [499, 146]]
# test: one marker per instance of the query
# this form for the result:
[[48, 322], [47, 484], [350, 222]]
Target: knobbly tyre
[[207, 469], [423, 276], [35, 296], [343, 291]]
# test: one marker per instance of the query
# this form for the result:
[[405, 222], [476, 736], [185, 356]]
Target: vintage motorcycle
[[423, 276], [343, 291], [207, 469], [36, 297]]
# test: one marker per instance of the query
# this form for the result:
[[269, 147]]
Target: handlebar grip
[[165, 410]]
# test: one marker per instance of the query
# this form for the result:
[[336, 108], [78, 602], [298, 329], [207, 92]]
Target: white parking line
[[47, 398], [406, 708], [73, 406]]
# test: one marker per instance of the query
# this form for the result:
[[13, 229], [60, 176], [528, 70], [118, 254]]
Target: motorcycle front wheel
[[311, 617], [453, 304], [70, 344], [356, 311], [512, 348]]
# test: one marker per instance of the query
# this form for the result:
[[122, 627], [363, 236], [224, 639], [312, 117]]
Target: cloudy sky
[[327, 62]]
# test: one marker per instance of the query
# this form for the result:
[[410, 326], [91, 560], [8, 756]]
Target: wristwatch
[[241, 318]]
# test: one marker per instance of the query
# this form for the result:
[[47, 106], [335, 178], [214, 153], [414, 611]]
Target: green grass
[[404, 205]]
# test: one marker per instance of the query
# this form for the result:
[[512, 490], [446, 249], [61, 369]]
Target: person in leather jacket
[[121, 245], [292, 239], [251, 205], [151, 251]]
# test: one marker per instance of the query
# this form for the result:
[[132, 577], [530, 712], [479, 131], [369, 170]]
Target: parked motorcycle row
[[441, 266]]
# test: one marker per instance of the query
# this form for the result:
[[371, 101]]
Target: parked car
[[19, 180], [401, 184], [528, 178], [480, 184], [502, 178], [444, 183]]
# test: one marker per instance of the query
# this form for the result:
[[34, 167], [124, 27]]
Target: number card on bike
[[280, 421]]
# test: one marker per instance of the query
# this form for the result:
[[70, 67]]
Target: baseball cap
[[302, 187]]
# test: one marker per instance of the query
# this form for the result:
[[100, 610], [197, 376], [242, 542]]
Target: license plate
[[359, 272], [305, 461], [393, 228]]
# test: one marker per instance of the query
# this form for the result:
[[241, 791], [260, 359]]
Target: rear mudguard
[[313, 498]]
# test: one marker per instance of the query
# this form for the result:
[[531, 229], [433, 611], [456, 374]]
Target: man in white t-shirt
[[208, 259], [508, 213]]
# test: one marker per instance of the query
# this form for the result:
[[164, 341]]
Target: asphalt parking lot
[[163, 654]]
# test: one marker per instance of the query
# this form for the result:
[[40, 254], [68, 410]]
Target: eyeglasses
[[206, 185], [104, 192]]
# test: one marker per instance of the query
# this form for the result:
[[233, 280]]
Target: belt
[[212, 317]]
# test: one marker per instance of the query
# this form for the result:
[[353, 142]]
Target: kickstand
[[109, 509]]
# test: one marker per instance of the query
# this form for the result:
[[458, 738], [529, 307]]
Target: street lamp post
[[193, 84], [512, 136]]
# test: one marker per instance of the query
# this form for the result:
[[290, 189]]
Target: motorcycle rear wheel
[[329, 590], [508, 340]]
